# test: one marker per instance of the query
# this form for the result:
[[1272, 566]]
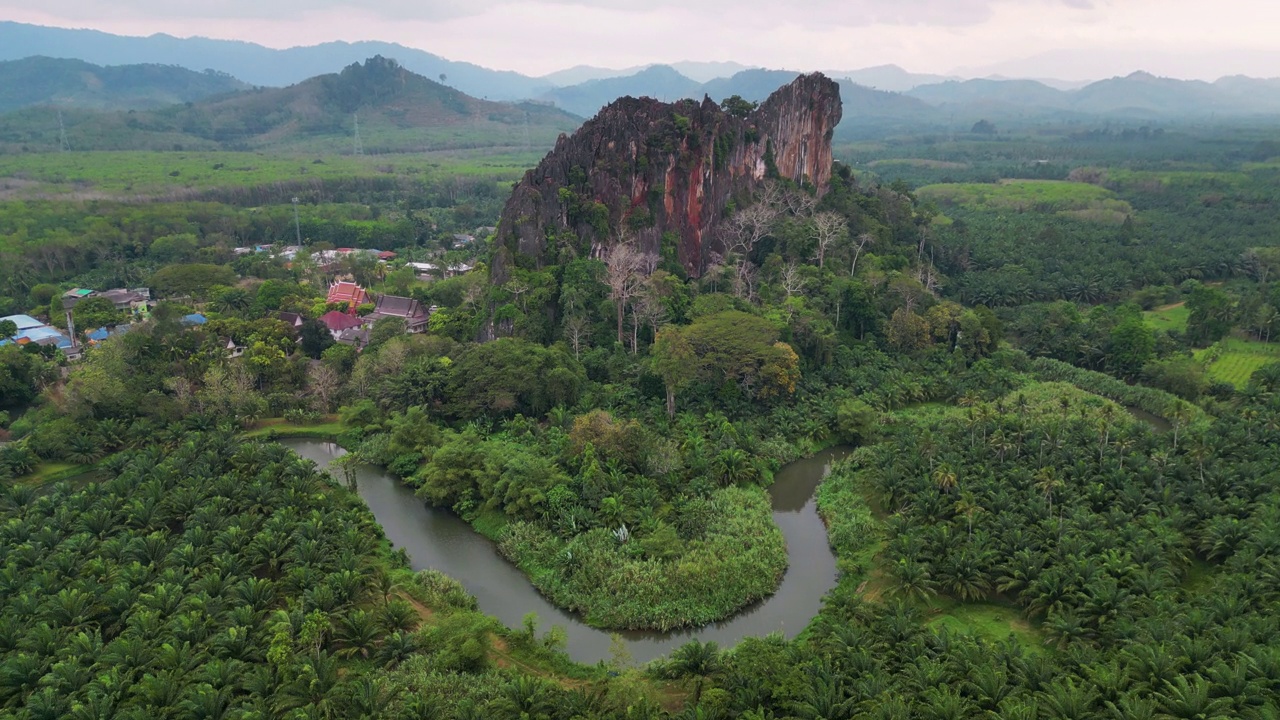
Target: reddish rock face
[[663, 174]]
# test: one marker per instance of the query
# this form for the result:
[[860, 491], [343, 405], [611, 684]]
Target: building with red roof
[[337, 322], [350, 293]]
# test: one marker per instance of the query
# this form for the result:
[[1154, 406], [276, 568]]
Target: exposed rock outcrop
[[663, 174]]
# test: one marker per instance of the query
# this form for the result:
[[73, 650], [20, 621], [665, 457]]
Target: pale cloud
[[855, 13], [1073, 39]]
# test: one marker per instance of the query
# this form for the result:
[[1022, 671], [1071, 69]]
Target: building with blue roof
[[31, 330], [24, 322], [194, 319]]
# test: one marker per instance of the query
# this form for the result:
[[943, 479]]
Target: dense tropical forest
[[1049, 350]]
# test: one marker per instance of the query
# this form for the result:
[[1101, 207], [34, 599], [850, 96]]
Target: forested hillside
[[396, 111], [75, 84]]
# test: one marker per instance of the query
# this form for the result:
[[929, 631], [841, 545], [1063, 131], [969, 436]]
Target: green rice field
[[1234, 360]]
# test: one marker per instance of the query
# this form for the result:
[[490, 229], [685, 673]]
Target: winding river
[[439, 539]]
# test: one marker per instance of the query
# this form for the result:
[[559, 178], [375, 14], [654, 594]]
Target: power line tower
[[357, 146], [526, 130], [63, 145]]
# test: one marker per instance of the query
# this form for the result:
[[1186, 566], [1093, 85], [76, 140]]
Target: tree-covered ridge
[[66, 83], [398, 111]]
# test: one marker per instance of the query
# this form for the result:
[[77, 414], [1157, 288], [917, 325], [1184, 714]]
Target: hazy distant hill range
[[863, 106], [877, 99], [397, 111], [254, 63], [1139, 95], [75, 83], [696, 71]]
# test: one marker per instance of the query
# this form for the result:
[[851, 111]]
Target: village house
[[31, 330], [133, 299], [430, 271], [413, 312], [292, 319], [337, 322], [357, 336]]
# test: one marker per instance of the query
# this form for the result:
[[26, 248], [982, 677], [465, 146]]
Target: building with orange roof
[[350, 293]]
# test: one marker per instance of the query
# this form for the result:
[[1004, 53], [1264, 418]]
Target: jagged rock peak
[[661, 174]]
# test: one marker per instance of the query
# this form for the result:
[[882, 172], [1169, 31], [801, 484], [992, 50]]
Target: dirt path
[[424, 612]]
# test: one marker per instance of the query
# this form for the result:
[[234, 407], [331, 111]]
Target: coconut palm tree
[[944, 478]]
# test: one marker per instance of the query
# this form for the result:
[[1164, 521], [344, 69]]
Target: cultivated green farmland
[[1234, 360]]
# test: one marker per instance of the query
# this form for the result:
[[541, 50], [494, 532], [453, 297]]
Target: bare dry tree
[[623, 263], [714, 271], [828, 229], [748, 226], [862, 242], [771, 193], [576, 330], [517, 287], [799, 203], [647, 309], [744, 280], [324, 384], [742, 233], [792, 280]]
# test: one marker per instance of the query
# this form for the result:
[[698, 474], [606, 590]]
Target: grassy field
[[51, 472], [1169, 317], [1234, 360], [989, 620], [326, 427], [130, 173], [1079, 200]]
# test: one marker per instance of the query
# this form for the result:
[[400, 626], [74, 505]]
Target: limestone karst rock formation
[[662, 174]]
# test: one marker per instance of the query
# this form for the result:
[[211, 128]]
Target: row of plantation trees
[[220, 579]]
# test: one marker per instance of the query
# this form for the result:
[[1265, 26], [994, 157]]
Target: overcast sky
[[1070, 39]]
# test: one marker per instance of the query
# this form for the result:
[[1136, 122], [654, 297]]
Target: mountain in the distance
[[1144, 94], [658, 81], [397, 111], [1137, 96], [864, 106], [77, 84], [255, 64], [698, 71], [997, 93], [888, 77]]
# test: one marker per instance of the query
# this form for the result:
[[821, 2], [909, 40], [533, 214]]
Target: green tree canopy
[[191, 280]]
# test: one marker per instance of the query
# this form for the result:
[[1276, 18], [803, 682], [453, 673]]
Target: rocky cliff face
[[662, 174]]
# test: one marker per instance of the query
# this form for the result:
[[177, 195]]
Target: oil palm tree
[[698, 660]]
